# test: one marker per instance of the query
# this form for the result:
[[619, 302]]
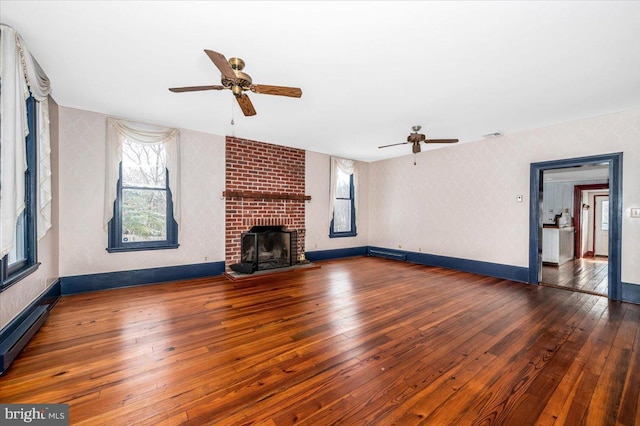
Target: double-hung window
[[22, 259], [343, 218], [143, 210]]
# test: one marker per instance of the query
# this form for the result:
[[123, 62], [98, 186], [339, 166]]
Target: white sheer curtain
[[120, 130], [346, 166], [19, 75]]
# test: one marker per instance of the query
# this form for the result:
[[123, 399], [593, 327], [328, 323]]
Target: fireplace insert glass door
[[268, 247]]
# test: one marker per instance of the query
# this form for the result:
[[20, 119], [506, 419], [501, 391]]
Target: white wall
[[82, 238], [317, 181], [460, 201], [17, 297]]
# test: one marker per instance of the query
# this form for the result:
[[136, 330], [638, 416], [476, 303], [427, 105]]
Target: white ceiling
[[368, 70]]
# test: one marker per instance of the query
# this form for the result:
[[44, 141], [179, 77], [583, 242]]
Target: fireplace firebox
[[267, 247]]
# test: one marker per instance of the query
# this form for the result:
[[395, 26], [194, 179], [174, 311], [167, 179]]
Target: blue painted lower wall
[[108, 280]]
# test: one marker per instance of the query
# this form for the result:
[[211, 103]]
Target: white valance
[[348, 167], [120, 130], [20, 74]]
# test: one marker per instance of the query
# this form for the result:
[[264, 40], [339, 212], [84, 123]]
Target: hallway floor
[[587, 275]]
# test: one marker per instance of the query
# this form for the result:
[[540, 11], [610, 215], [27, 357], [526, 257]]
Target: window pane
[[143, 165], [343, 185], [342, 216], [605, 215], [18, 253], [144, 215]]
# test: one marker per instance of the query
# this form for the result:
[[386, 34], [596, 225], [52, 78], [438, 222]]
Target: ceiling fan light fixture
[[236, 90]]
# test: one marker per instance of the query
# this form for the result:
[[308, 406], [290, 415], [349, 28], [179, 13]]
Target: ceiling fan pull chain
[[232, 122]]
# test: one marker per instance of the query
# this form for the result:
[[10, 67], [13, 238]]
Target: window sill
[[19, 276], [142, 248], [343, 235]]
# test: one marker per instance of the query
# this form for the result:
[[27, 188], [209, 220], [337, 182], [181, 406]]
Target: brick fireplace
[[264, 187]]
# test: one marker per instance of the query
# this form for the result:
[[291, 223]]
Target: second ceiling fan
[[415, 138], [234, 79]]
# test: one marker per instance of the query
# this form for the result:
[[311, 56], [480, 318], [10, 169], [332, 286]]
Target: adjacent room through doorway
[[587, 271], [572, 214]]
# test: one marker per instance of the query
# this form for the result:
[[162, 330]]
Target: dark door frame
[[614, 160], [577, 212]]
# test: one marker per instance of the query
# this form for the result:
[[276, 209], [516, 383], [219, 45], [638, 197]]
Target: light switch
[[519, 198], [635, 212]]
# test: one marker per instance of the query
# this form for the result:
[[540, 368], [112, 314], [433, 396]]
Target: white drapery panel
[[19, 74], [346, 166], [43, 218], [120, 130]]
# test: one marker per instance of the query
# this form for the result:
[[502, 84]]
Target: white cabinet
[[557, 245], [556, 197]]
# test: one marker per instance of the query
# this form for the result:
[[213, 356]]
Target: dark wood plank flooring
[[358, 341], [588, 274]]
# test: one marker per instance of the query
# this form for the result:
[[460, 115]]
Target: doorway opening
[[568, 259], [584, 213], [603, 271]]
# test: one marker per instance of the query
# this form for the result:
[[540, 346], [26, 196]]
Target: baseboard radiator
[[18, 339], [386, 254]]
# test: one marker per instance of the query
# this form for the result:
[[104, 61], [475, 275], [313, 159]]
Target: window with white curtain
[[25, 160], [343, 207], [22, 258], [143, 208]]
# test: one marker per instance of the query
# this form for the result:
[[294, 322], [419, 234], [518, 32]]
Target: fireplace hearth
[[267, 247]]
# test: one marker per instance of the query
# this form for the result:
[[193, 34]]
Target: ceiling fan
[[238, 82], [415, 138]]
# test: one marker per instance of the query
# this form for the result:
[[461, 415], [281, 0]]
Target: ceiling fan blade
[[246, 105], [293, 92], [441, 141], [194, 88], [394, 144], [221, 62]]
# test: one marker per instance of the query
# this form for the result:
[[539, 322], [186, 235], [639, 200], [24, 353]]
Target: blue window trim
[[353, 231], [18, 271], [115, 226]]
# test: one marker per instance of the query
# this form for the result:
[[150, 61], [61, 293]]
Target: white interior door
[[601, 243]]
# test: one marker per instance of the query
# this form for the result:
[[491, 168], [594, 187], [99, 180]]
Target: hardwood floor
[[357, 341], [588, 274]]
